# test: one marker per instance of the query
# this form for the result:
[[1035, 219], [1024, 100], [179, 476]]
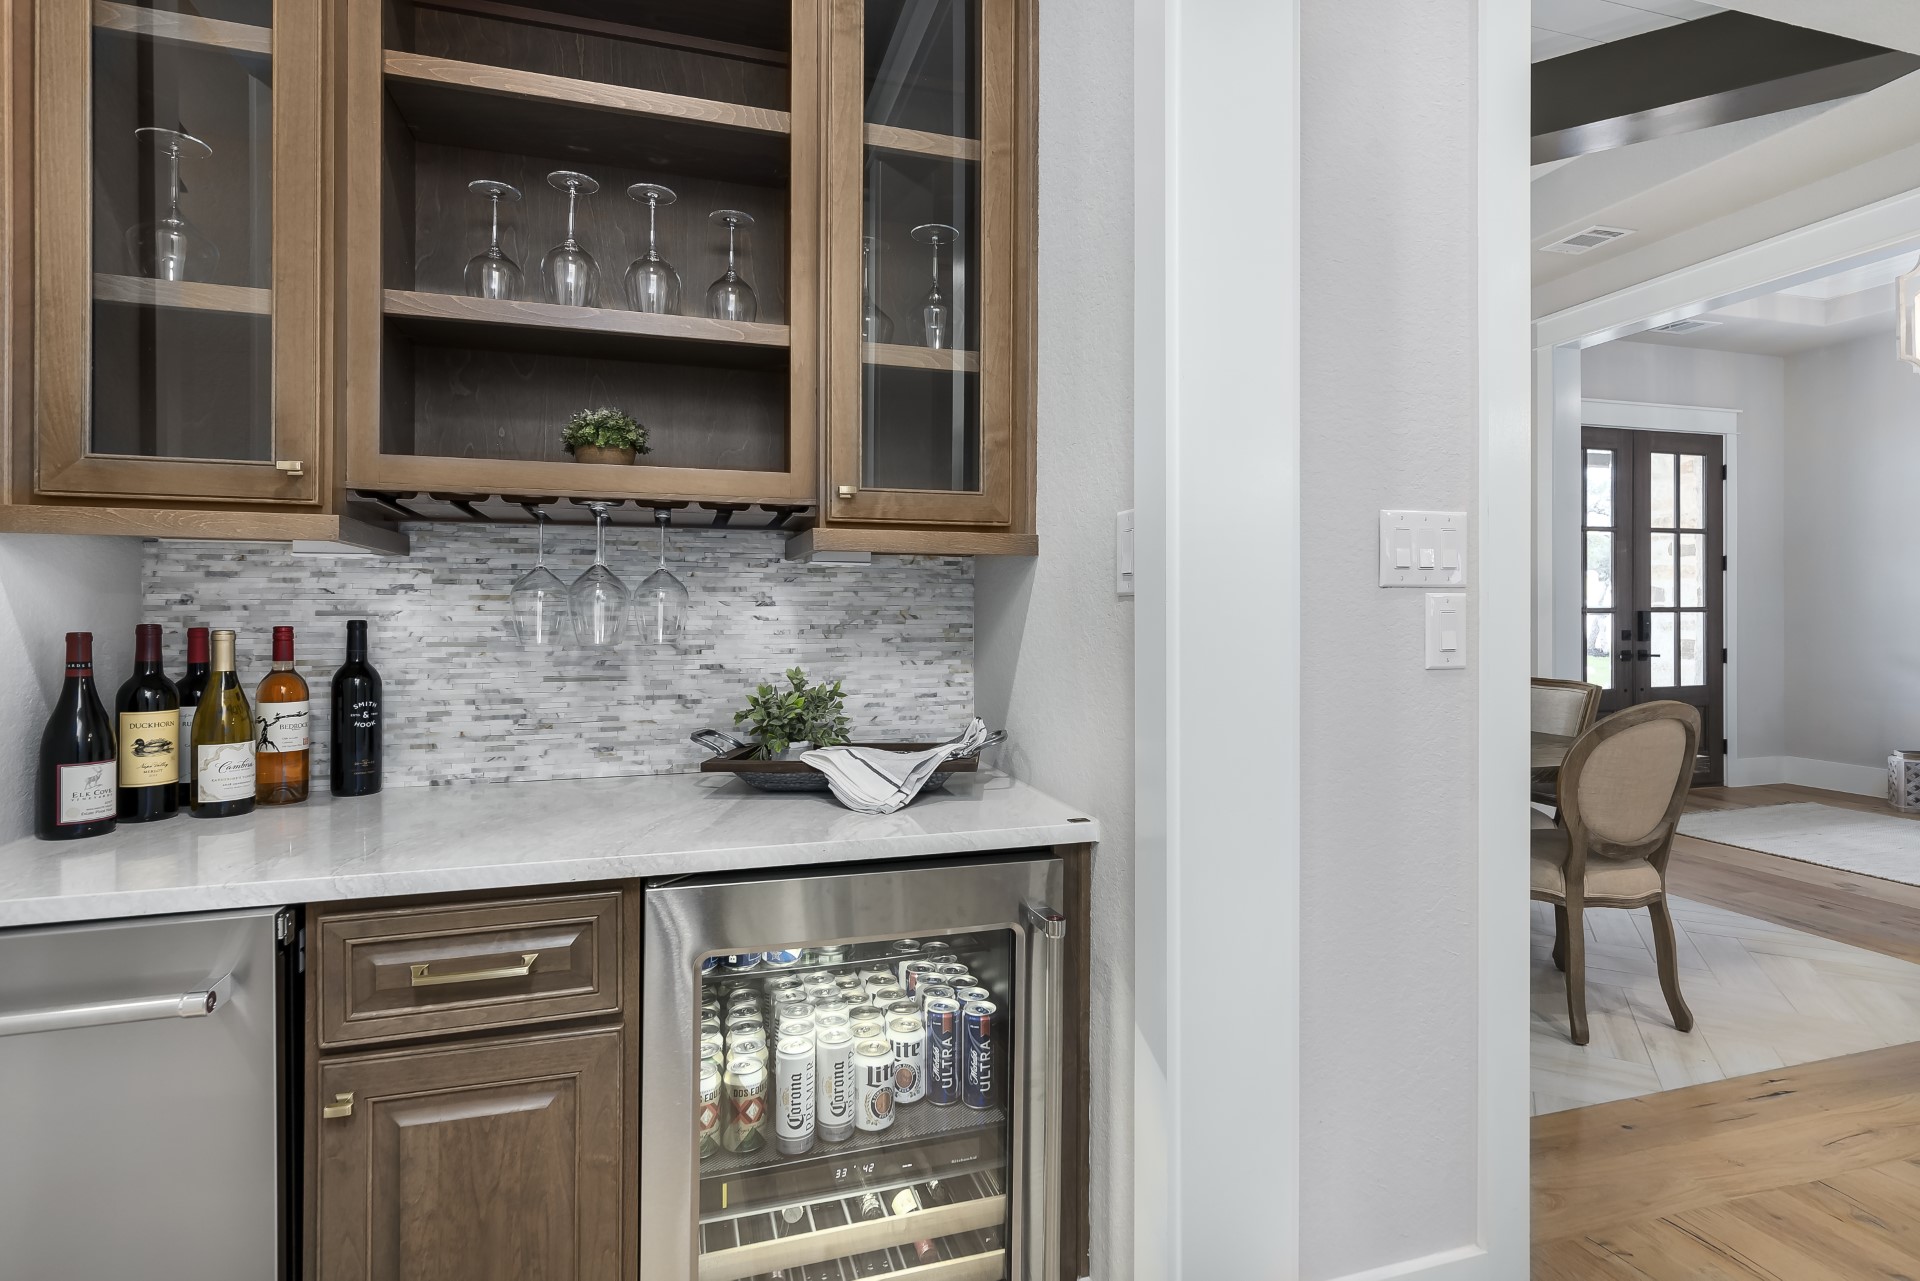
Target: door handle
[[187, 1005], [1046, 1089], [342, 1106], [421, 977], [1644, 621]]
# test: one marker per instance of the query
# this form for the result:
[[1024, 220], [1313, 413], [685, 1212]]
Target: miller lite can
[[867, 1029], [824, 1019], [707, 1113], [793, 1103], [836, 1093], [909, 1037], [873, 1062], [746, 1110], [976, 1054], [943, 1051]]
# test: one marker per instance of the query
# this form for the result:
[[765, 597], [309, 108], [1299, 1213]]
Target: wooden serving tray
[[798, 776]]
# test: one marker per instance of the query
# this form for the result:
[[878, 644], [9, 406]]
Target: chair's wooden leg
[[1576, 938], [1665, 954], [1560, 937]]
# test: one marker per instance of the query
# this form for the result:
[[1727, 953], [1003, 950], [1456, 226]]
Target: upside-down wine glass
[[170, 247], [572, 276], [539, 597], [875, 324], [490, 273], [652, 283], [598, 598], [662, 598], [730, 297], [936, 314]]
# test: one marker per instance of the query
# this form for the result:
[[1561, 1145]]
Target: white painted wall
[[1757, 387], [49, 586]]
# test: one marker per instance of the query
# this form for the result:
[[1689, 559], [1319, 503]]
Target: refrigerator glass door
[[852, 1075]]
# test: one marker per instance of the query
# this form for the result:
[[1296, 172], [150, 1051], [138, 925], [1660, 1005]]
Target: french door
[[1654, 576]]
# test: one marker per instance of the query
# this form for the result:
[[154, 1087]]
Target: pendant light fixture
[[1907, 302]]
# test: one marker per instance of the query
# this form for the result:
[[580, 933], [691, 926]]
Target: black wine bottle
[[193, 687], [355, 757], [147, 712], [74, 795]]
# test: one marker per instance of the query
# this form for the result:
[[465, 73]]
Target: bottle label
[[149, 748], [223, 772], [283, 726], [363, 713], [86, 793]]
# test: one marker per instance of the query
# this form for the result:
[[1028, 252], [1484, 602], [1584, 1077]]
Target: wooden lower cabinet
[[495, 1160]]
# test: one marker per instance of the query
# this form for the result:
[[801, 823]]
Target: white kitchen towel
[[870, 781]]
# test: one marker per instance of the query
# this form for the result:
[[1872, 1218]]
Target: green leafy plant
[[604, 428], [798, 713]]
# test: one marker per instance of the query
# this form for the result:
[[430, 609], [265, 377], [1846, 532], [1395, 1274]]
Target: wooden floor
[[1809, 1173]]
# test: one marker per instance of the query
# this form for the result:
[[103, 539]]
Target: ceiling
[[1838, 308], [1563, 26]]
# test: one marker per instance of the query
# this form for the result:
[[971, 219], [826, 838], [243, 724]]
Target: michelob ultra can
[[950, 970], [930, 990], [976, 1053], [707, 1113], [783, 959], [909, 1037], [965, 994], [836, 1094], [741, 962], [746, 1110], [943, 1050], [793, 1102], [873, 1065], [708, 964]]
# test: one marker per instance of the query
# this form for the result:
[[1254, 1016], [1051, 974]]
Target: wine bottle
[[223, 776], [283, 742], [147, 711], [355, 763], [193, 687], [74, 794]]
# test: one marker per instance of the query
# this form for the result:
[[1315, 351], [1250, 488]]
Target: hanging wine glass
[[598, 598], [936, 314], [170, 247], [875, 324], [490, 273], [731, 297], [662, 598], [652, 283], [571, 274], [539, 597]]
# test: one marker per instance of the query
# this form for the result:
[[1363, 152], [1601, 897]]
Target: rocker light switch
[[1446, 630], [1423, 549]]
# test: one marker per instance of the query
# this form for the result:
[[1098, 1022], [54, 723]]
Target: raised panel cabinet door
[[176, 245], [491, 1161]]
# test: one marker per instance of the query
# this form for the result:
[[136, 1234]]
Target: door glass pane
[[182, 139], [1693, 569], [853, 1086], [920, 314], [1600, 487], [1660, 477], [1693, 649], [1663, 649], [1599, 569], [1693, 491], [1600, 650], [1660, 571]]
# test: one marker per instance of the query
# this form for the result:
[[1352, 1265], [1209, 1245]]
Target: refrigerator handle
[[1045, 1090]]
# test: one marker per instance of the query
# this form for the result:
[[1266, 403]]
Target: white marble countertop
[[424, 840]]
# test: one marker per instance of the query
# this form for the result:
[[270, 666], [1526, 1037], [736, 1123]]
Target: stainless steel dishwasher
[[145, 1073]]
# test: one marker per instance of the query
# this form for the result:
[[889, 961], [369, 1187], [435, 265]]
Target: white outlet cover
[[1423, 549]]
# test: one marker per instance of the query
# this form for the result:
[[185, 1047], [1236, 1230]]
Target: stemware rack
[[518, 509]]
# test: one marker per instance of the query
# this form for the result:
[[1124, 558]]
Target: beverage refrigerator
[[854, 1072]]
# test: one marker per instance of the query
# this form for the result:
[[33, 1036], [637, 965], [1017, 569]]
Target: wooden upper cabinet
[[925, 335], [178, 204]]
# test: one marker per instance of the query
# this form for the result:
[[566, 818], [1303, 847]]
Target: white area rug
[[1871, 844]]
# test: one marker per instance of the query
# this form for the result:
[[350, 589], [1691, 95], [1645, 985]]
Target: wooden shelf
[[495, 324], [529, 113], [888, 138], [182, 28], [228, 525], [903, 356], [189, 295], [910, 542]]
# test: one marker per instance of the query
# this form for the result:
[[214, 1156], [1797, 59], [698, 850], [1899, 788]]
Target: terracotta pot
[[603, 454]]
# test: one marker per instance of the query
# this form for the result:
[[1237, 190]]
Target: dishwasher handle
[[188, 1005]]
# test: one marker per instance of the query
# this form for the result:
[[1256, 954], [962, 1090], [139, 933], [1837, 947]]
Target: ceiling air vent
[[1581, 241], [1686, 326]]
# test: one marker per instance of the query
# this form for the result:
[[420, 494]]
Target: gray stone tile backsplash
[[465, 703]]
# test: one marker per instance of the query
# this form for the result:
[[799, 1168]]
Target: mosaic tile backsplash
[[465, 703]]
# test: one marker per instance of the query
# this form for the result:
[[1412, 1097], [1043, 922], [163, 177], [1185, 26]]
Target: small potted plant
[[791, 720], [604, 436]]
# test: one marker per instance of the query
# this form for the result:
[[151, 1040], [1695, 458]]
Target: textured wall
[[464, 702]]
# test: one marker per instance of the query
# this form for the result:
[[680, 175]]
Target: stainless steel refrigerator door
[[689, 920], [139, 1100]]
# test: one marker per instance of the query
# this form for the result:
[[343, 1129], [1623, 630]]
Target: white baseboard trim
[[1832, 776], [1448, 1260]]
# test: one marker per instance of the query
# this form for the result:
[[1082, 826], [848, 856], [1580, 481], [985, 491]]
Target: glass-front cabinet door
[[177, 247], [920, 179]]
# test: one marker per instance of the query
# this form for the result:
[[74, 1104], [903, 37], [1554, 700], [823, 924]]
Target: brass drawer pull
[[341, 1106], [423, 979]]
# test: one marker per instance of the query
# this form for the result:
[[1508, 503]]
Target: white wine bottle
[[223, 770]]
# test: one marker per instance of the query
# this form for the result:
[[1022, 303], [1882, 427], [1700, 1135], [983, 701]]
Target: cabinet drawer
[[404, 973]]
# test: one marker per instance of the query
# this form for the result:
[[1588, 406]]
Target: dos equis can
[[746, 1111], [976, 1053], [943, 1050]]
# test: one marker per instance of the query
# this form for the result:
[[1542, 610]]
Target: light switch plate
[[1123, 553], [1446, 631], [1423, 549]]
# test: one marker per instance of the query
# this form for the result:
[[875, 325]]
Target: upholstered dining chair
[[1620, 794], [1566, 708]]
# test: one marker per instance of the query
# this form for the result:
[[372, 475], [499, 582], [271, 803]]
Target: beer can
[[836, 1094], [977, 1081], [885, 996], [836, 1001], [708, 964], [950, 970], [707, 1114], [794, 1103], [873, 1062], [866, 1010], [824, 1019], [741, 962], [965, 994], [905, 1005], [941, 958], [747, 1047], [867, 1029], [781, 959], [778, 983], [712, 1045], [746, 1024], [930, 990], [910, 973], [742, 995], [959, 981], [943, 1050], [829, 954], [906, 947], [818, 982], [909, 1038], [848, 982], [746, 1105], [800, 1025], [871, 983], [709, 1023]]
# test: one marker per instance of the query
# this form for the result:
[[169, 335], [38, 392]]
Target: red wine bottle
[[193, 687], [147, 710], [75, 792], [355, 758]]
